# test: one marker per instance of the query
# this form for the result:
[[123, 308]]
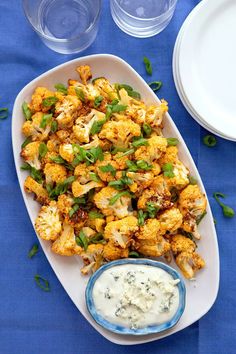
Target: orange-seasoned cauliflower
[[112, 252], [157, 195], [180, 243], [38, 96], [121, 231], [105, 88], [189, 263], [65, 244], [192, 204], [170, 221], [84, 124], [170, 156], [66, 151], [66, 111], [53, 143], [102, 199], [180, 179], [54, 173], [107, 168], [153, 151], [136, 109], [120, 133], [33, 128], [92, 258], [48, 224], [84, 72], [154, 114], [97, 224], [79, 189], [149, 230], [141, 181], [64, 203], [30, 154], [31, 186]]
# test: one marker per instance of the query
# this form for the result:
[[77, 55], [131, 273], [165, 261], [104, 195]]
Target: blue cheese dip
[[136, 296]]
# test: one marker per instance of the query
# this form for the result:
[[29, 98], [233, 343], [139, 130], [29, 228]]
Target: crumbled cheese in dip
[[136, 296]]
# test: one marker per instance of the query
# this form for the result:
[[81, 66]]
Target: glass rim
[[144, 19], [62, 40]]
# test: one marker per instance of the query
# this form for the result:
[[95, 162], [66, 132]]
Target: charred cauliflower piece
[[170, 156], [189, 263], [153, 151], [180, 243], [121, 231], [31, 154], [65, 244], [170, 221], [31, 186], [66, 111], [92, 258], [119, 208], [48, 224], [120, 133]]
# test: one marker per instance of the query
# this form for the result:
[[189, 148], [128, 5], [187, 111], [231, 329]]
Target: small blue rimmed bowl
[[139, 331]]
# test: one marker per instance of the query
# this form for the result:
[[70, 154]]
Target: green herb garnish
[[80, 94], [54, 126], [98, 238], [117, 196], [45, 120], [140, 142], [98, 100], [127, 152], [95, 215], [132, 167], [114, 107], [97, 126], [5, 114], [82, 240], [192, 180], [42, 150], [155, 85], [33, 251], [143, 165], [200, 217], [134, 254], [167, 169], [26, 142], [141, 217], [61, 188], [61, 88], [147, 130], [108, 168], [148, 65], [34, 173], [42, 282], [73, 210], [94, 177], [172, 141], [210, 140], [227, 211], [26, 111], [152, 209], [129, 90], [49, 101]]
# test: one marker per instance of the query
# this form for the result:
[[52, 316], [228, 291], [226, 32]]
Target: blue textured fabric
[[35, 322]]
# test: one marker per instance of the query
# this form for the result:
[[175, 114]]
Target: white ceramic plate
[[67, 269], [207, 59], [177, 78]]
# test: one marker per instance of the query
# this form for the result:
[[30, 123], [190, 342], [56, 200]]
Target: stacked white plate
[[204, 66]]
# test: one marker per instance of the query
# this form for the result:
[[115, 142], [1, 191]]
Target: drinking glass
[[65, 26], [142, 18]]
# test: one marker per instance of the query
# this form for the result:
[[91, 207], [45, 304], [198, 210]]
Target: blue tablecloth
[[32, 321]]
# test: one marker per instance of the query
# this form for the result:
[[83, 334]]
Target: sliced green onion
[[155, 85], [49, 101], [148, 65], [61, 88], [172, 141], [167, 169], [128, 152], [134, 254], [210, 140], [152, 209], [4, 115], [98, 238], [192, 180], [26, 111], [26, 142], [42, 282], [108, 168], [141, 217], [132, 167], [73, 210], [80, 94], [147, 129], [54, 126], [129, 90], [82, 240], [94, 177], [97, 126], [227, 211], [143, 165], [117, 196], [140, 142], [33, 251], [42, 150], [35, 174], [45, 120], [200, 217], [95, 215], [98, 100]]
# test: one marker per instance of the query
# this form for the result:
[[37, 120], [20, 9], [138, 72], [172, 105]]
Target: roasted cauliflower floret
[[120, 133], [64, 203], [65, 244], [136, 110], [84, 72], [79, 189], [32, 128], [66, 151], [180, 243], [54, 173], [170, 156], [66, 111], [189, 263], [92, 258], [107, 168], [112, 252], [31, 186], [192, 204], [105, 88], [157, 249], [37, 99], [170, 221], [149, 230], [30, 154], [97, 224], [153, 151], [180, 179], [84, 124], [102, 199], [48, 224], [121, 231], [141, 180], [157, 195], [53, 143], [155, 114]]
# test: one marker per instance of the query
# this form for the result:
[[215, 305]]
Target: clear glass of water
[[142, 18], [65, 26]]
